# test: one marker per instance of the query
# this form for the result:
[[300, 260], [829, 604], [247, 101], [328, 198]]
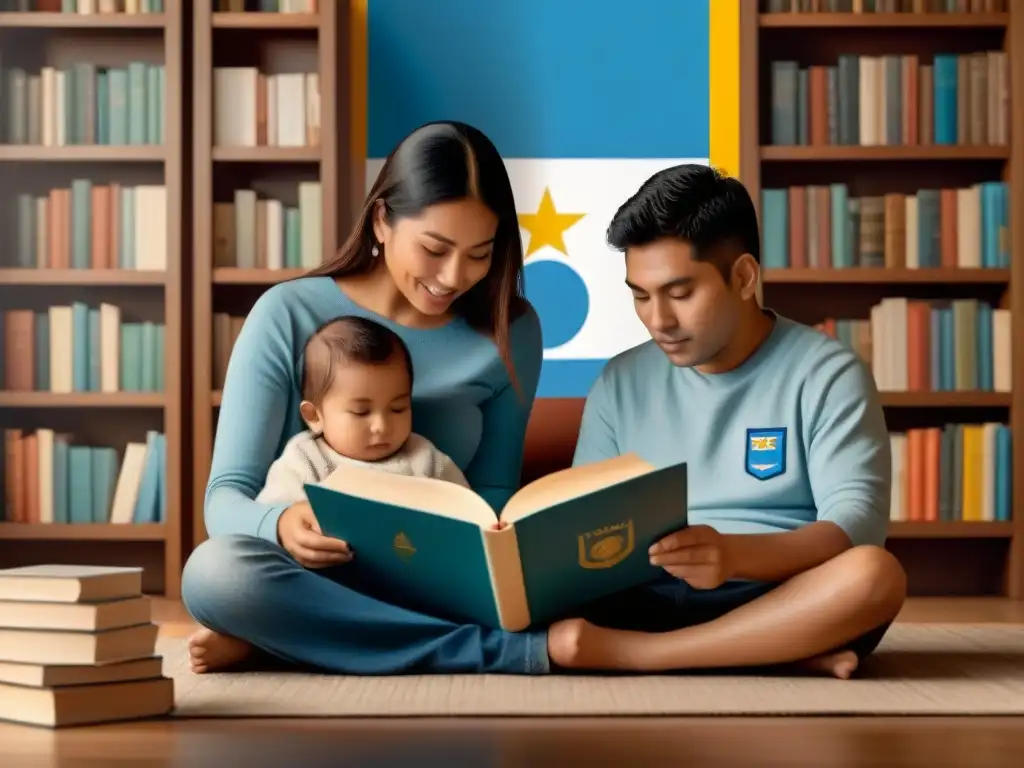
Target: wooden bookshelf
[[942, 557], [274, 43], [33, 40]]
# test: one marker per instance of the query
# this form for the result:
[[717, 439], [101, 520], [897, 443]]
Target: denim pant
[[252, 589]]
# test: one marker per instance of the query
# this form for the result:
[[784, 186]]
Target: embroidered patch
[[765, 454]]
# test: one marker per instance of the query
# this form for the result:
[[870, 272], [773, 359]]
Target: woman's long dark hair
[[436, 163]]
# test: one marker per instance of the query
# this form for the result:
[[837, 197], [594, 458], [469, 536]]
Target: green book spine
[[152, 104], [103, 107], [80, 346], [95, 359], [293, 238], [126, 246], [26, 231], [137, 108], [149, 355], [71, 129], [117, 85], [42, 326], [161, 334], [61, 485], [81, 224]]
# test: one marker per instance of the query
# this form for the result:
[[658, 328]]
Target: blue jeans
[[252, 589]]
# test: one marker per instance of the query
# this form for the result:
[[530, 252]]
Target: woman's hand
[[300, 534]]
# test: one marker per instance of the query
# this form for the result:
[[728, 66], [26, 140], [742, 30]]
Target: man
[[787, 447]]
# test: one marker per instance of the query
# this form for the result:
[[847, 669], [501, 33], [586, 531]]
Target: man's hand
[[699, 555]]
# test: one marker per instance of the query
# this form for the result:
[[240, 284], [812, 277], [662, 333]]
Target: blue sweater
[[463, 399], [795, 434]]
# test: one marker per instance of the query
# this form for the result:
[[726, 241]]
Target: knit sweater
[[307, 458]]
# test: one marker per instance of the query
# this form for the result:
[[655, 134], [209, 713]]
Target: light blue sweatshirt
[[793, 435], [463, 399]]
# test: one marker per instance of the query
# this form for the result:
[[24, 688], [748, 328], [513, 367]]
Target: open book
[[567, 538]]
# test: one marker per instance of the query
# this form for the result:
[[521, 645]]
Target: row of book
[[951, 473], [80, 348], [49, 478], [825, 226], [252, 108], [891, 100], [266, 233], [83, 7], [92, 226], [959, 345], [884, 6], [226, 328], [85, 104], [267, 6], [78, 647]]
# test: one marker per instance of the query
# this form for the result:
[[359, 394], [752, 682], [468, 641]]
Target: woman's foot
[[839, 664], [209, 651]]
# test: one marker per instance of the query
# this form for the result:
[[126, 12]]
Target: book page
[[569, 483], [424, 494]]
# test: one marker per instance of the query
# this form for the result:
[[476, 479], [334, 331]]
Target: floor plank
[[763, 742]]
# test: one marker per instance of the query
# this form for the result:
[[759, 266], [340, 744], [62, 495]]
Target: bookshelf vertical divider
[[1015, 46], [330, 158], [935, 559]]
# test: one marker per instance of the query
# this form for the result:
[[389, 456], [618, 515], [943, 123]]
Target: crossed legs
[[823, 620]]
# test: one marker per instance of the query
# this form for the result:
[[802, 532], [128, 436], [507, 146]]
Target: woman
[[436, 256]]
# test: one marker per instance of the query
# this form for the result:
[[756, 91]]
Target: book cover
[[566, 539]]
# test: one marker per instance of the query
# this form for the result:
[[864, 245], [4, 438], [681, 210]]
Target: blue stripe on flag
[[543, 78]]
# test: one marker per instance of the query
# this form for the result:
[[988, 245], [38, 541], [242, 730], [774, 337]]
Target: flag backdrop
[[585, 99]]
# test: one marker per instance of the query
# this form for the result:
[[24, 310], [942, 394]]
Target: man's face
[[688, 309]]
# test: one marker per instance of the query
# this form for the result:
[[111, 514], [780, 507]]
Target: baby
[[357, 404]]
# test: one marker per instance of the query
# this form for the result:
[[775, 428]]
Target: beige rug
[[918, 670]]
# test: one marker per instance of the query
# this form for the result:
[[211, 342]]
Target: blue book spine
[[945, 88], [948, 351], [80, 346], [991, 222], [102, 107], [985, 355], [1004, 474], [80, 474], [147, 502], [104, 466], [61, 482]]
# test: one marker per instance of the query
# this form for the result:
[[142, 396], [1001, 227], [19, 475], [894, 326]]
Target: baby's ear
[[310, 415]]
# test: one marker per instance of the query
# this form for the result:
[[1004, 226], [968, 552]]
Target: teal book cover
[[564, 540]]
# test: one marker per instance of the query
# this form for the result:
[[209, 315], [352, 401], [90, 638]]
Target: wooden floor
[[762, 742]]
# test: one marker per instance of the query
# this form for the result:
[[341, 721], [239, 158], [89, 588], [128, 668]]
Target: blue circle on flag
[[560, 297]]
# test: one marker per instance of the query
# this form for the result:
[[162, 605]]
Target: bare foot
[[840, 664], [578, 644], [209, 651]]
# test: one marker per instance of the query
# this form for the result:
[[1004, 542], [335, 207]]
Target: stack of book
[[78, 647]]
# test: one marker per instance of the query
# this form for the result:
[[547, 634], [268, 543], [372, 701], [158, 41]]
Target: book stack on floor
[[78, 647]]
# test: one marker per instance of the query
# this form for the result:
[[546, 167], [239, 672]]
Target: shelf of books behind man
[[884, 197], [91, 156]]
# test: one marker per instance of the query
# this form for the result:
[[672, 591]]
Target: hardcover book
[[561, 541]]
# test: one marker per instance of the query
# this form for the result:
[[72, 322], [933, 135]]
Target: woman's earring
[[375, 251]]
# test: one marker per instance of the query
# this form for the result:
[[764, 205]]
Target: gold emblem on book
[[606, 547], [403, 547]]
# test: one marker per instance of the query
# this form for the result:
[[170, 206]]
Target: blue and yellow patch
[[765, 453]]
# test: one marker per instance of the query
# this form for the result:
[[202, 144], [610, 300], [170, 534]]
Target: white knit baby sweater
[[307, 458]]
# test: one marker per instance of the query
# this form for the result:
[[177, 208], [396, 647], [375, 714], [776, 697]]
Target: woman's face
[[439, 255]]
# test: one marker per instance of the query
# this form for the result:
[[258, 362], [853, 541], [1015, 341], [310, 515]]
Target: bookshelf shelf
[[83, 154], [82, 400], [946, 399], [84, 531], [111, 292], [259, 20], [233, 180], [112, 277], [950, 530], [266, 154], [883, 276], [906, 205], [45, 20], [895, 153], [882, 20], [237, 276]]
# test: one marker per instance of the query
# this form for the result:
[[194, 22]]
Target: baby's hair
[[348, 339]]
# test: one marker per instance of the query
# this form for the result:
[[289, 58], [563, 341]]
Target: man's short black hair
[[697, 204]]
